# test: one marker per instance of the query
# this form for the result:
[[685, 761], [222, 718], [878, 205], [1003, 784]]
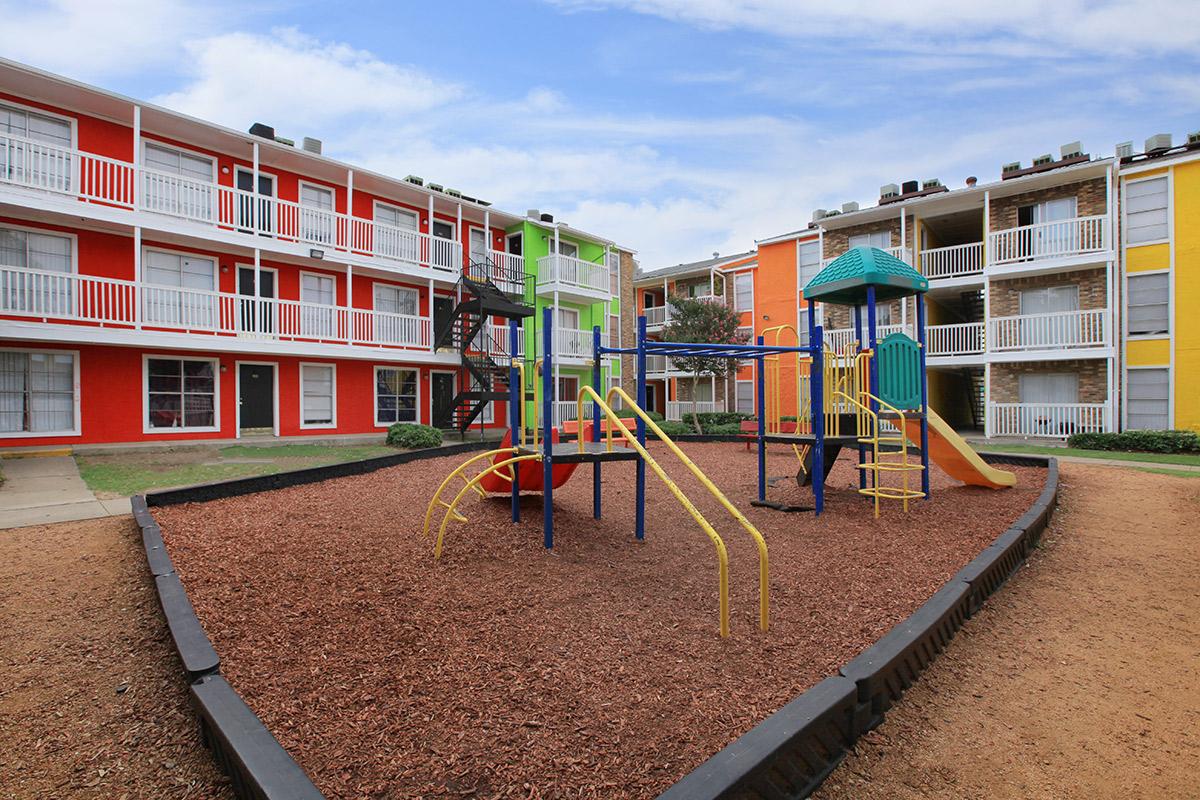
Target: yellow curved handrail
[[774, 399], [458, 471], [519, 365], [866, 415], [722, 554], [474, 483], [760, 542]]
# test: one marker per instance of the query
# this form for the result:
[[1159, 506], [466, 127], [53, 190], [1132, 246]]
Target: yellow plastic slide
[[956, 458]]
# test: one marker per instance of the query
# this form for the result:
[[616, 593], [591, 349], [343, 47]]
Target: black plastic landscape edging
[[790, 753]]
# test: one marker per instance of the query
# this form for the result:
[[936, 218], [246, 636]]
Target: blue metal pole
[[595, 419], [924, 397], [548, 388], [873, 381], [761, 410], [862, 448], [516, 398], [817, 382], [641, 428]]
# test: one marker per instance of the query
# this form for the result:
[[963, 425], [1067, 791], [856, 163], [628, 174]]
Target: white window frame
[[1021, 393], [320, 186], [376, 285], [869, 234], [1046, 290], [216, 426], [1169, 183], [1170, 395], [375, 395], [1170, 332], [324, 276], [453, 237], [736, 306], [334, 406], [737, 383], [76, 390], [74, 237], [508, 242], [471, 229], [416, 215], [556, 247], [177, 148], [216, 272], [71, 121]]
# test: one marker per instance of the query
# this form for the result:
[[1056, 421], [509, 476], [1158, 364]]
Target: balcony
[[108, 184], [677, 408], [661, 367], [902, 253], [1080, 240], [956, 261], [572, 346], [1056, 332], [658, 316], [573, 278], [1047, 420], [81, 301], [569, 409], [958, 339], [507, 271]]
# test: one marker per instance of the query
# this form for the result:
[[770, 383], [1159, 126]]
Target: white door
[[1045, 396], [316, 214], [396, 233], [1052, 238]]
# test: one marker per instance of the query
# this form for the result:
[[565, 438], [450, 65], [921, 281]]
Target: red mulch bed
[[505, 670]]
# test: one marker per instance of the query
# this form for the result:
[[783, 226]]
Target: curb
[[790, 754]]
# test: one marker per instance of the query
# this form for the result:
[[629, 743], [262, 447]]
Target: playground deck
[[593, 670], [568, 452]]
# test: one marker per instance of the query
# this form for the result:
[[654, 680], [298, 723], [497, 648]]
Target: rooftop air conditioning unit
[[311, 145], [285, 140], [818, 215], [1194, 137], [1125, 150], [415, 180], [1159, 141], [849, 207], [265, 131], [1071, 150], [1043, 159], [547, 217], [908, 187], [532, 213], [889, 190], [454, 193], [931, 183], [1011, 166], [434, 187]]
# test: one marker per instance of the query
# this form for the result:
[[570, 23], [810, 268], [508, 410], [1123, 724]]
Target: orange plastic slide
[[956, 458]]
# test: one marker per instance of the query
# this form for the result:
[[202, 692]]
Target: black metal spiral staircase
[[481, 377]]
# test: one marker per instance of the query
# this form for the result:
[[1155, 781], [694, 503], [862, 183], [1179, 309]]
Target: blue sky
[[677, 127]]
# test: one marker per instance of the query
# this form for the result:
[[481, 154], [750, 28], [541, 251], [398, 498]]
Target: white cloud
[[95, 40], [296, 82]]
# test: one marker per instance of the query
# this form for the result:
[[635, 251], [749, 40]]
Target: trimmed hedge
[[1138, 441], [413, 437], [710, 418], [625, 413], [675, 428]]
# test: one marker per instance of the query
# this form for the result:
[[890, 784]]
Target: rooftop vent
[[1159, 141], [1125, 150], [265, 131], [849, 207], [908, 187], [415, 180], [454, 193], [818, 215], [971, 181], [889, 190], [533, 213], [311, 145], [1071, 149], [1012, 166], [434, 187], [1194, 137], [546, 217], [716, 254], [285, 140], [930, 183], [1044, 158]]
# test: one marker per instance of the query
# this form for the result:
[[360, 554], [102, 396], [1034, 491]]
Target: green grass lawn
[[1178, 473], [1188, 459], [123, 474]]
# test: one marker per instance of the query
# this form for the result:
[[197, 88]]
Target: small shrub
[[710, 418], [729, 428], [1138, 441], [675, 428], [413, 437], [625, 413]]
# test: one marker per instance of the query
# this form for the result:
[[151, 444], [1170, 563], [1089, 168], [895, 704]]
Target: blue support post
[[873, 381], [595, 420], [924, 397], [641, 428], [760, 382], [516, 399], [862, 448], [817, 384], [548, 389]]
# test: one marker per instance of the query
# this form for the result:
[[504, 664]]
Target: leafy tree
[[698, 321]]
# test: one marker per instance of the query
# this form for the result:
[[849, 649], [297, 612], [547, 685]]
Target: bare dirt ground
[[92, 702], [1079, 679], [507, 671]]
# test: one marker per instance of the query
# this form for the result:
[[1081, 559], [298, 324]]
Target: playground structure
[[870, 398]]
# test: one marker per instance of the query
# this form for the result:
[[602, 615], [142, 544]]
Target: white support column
[[903, 252], [137, 277], [429, 234], [431, 330], [254, 212], [137, 156], [487, 244], [987, 315], [349, 242], [256, 302], [458, 232], [554, 340], [349, 303]]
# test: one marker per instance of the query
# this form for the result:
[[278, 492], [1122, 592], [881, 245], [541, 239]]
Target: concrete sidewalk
[[37, 491]]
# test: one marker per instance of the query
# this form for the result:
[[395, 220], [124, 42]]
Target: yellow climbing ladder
[[870, 432]]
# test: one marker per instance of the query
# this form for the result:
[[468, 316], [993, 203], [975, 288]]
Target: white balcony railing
[[1063, 329], [677, 408], [1050, 420], [73, 173], [572, 343], [507, 270], [1043, 240], [497, 344], [656, 316], [569, 409], [953, 261], [958, 339], [57, 297], [573, 272]]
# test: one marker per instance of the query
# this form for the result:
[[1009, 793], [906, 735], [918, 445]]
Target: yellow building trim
[[1148, 257], [1148, 352], [1186, 273], [1150, 173]]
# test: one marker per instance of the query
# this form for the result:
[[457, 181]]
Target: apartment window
[[565, 248], [180, 184], [614, 330], [612, 382], [745, 397], [614, 274], [1149, 303], [37, 251], [743, 292], [568, 319], [396, 300], [515, 243], [31, 125], [395, 234], [1050, 300], [318, 316], [37, 162], [883, 315], [395, 217], [568, 388], [181, 393], [704, 391], [802, 326], [316, 213], [880, 239], [1041, 388], [808, 259], [1146, 211], [37, 393], [181, 291], [318, 401], [1148, 406], [395, 395], [443, 230], [746, 334]]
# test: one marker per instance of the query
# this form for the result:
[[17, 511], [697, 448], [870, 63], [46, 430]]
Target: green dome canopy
[[844, 280]]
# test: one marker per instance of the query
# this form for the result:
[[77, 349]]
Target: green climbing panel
[[898, 359]]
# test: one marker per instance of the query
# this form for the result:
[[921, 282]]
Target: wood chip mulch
[[594, 670]]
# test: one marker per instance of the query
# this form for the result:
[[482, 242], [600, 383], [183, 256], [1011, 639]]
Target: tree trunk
[[696, 404]]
